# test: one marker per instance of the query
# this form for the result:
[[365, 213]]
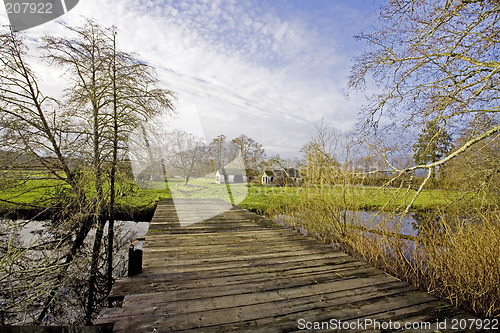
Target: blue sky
[[267, 69]]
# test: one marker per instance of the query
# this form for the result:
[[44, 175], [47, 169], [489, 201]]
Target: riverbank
[[131, 213], [29, 201]]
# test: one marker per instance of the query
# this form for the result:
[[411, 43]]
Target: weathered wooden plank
[[240, 272], [250, 270], [326, 290], [163, 282], [235, 258], [264, 263], [340, 283], [171, 248], [279, 313], [255, 306], [257, 233]]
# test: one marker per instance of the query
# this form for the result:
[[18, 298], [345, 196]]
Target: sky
[[268, 69]]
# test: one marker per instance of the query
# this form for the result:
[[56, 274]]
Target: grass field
[[40, 193]]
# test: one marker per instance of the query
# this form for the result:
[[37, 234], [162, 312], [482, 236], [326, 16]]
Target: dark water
[[407, 225], [31, 231], [29, 246]]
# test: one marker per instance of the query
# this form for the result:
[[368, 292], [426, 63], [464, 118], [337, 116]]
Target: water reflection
[[407, 225], [31, 231], [31, 253]]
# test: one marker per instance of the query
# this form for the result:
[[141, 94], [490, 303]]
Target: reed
[[454, 252]]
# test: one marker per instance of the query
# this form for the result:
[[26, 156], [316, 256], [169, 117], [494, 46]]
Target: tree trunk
[[112, 177], [99, 200], [228, 188], [93, 269]]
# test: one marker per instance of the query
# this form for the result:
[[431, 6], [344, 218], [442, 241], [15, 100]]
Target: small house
[[233, 176], [281, 177], [267, 177]]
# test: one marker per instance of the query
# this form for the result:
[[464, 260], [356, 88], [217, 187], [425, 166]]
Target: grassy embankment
[[30, 198], [36, 194]]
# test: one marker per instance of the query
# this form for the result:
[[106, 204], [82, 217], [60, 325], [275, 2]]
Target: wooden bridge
[[241, 272]]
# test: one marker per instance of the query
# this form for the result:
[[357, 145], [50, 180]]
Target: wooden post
[[135, 257]]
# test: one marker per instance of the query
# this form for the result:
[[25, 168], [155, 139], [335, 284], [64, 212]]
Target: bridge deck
[[240, 272]]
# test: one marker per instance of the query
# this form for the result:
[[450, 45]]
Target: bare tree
[[135, 97], [117, 91], [185, 152], [321, 161], [251, 151], [31, 126], [437, 62], [87, 57], [222, 152], [29, 121], [111, 92]]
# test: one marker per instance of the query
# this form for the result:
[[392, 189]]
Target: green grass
[[40, 193], [35, 192], [258, 198], [262, 198]]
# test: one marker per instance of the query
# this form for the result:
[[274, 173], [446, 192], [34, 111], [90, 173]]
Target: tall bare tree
[[135, 97], [87, 58], [321, 161], [222, 152], [33, 126], [78, 140], [116, 92], [437, 61]]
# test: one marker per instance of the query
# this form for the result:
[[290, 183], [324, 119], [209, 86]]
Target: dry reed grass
[[454, 254]]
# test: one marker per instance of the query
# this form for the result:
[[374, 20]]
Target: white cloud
[[246, 69]]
